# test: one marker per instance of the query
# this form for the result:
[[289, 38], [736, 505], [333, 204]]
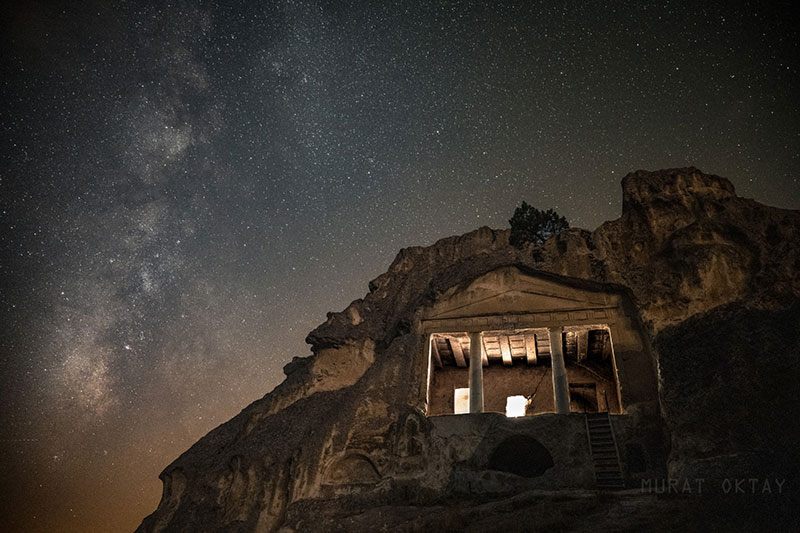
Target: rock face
[[710, 280]]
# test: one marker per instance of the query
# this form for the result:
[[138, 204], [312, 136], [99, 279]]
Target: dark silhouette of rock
[[344, 445]]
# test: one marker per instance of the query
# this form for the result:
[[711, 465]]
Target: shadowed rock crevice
[[746, 374]]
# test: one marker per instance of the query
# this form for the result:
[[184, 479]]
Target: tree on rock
[[534, 225]]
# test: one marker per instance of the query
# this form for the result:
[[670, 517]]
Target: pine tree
[[534, 225]]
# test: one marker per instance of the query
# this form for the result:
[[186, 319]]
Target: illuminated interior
[[517, 375]]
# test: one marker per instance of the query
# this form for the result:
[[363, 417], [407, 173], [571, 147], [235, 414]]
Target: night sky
[[187, 188]]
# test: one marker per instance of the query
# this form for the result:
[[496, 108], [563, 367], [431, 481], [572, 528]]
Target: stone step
[[606, 464], [602, 445], [604, 452], [605, 469], [611, 486], [605, 461], [608, 474], [604, 458]]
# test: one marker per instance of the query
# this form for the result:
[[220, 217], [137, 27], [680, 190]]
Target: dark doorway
[[583, 397], [521, 455]]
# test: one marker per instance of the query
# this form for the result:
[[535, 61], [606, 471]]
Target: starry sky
[[188, 187]]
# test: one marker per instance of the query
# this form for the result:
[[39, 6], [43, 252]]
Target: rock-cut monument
[[604, 380]]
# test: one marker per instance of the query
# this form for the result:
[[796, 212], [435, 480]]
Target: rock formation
[[343, 444]]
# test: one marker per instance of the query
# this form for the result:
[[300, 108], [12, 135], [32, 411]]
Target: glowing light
[[515, 406], [461, 401]]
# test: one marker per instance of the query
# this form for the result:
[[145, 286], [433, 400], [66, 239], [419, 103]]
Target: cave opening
[[521, 455]]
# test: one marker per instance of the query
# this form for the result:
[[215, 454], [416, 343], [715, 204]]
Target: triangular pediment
[[509, 290]]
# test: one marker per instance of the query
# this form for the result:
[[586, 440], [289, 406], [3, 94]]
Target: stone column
[[559, 371], [475, 373]]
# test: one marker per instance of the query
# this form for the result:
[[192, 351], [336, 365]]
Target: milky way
[[187, 188]]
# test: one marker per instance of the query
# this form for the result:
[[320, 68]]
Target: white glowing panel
[[515, 406], [461, 401]]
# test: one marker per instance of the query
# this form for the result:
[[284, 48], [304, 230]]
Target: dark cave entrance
[[521, 455]]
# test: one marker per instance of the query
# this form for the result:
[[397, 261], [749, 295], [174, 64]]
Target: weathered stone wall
[[443, 382], [498, 383], [469, 440], [501, 382], [710, 277]]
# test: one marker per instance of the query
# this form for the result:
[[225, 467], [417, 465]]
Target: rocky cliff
[[713, 281]]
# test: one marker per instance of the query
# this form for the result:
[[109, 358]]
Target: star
[[200, 184]]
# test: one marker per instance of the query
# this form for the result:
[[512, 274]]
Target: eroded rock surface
[[342, 443]]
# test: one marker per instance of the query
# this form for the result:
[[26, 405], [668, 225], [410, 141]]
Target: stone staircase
[[605, 454]]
